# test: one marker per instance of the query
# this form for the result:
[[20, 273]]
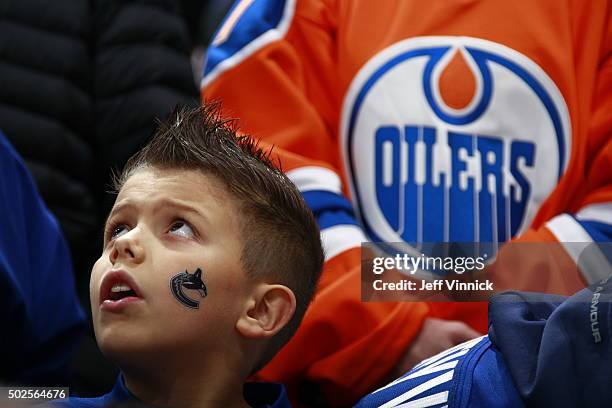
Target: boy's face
[[163, 223]]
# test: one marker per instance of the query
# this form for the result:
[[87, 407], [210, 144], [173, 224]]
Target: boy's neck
[[169, 388]]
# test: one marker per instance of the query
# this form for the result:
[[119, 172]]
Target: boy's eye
[[182, 229], [118, 230]]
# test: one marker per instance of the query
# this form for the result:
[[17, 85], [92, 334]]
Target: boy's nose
[[128, 249]]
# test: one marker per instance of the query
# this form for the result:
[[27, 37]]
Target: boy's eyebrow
[[116, 208], [169, 202], [157, 206]]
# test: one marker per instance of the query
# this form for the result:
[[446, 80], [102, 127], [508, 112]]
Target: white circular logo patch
[[423, 171]]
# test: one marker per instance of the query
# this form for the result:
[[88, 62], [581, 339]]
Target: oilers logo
[[452, 139]]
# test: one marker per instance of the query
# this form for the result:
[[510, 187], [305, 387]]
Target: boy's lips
[[113, 295]]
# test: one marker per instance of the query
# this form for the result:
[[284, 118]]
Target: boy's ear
[[269, 310]]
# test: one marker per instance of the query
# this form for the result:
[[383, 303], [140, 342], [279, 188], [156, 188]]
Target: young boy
[[210, 260]]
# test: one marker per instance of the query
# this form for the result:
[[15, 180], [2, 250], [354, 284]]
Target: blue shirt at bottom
[[260, 395]]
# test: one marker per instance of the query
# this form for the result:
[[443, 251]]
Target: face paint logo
[[185, 280]]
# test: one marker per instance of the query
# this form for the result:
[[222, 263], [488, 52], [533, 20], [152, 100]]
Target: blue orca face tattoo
[[186, 280]]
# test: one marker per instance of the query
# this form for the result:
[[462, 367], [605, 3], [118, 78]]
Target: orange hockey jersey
[[411, 122]]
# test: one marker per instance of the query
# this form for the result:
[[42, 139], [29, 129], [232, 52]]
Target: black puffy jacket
[[46, 108], [81, 83], [141, 70]]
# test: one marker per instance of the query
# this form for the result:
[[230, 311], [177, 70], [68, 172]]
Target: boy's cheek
[[94, 279]]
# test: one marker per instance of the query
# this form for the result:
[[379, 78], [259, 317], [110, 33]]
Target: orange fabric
[[290, 94], [297, 84], [536, 262]]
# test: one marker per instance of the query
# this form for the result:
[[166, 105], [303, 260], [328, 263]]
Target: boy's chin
[[123, 345]]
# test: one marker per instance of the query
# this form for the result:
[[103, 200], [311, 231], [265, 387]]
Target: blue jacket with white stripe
[[541, 351]]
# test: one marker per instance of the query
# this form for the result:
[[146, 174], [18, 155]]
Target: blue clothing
[[39, 312], [264, 395], [541, 351], [472, 374]]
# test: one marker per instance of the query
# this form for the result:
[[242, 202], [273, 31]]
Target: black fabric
[[142, 70], [46, 108]]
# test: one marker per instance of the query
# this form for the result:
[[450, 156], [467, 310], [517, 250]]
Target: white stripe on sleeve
[[580, 246], [601, 212], [340, 238], [312, 178]]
